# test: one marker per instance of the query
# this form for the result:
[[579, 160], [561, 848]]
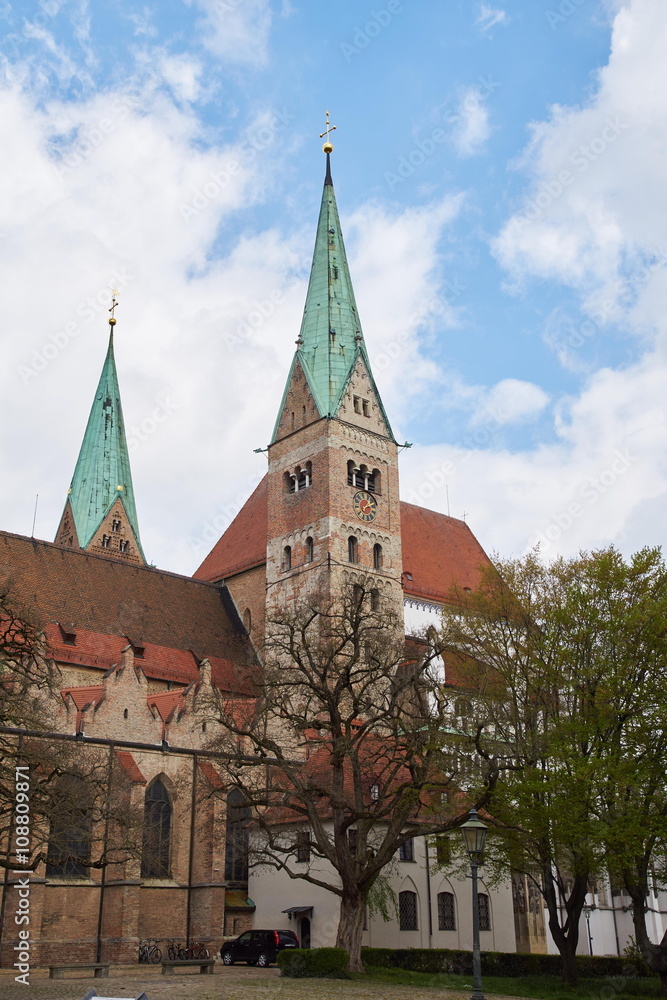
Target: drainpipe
[[428, 890], [191, 859], [103, 876]]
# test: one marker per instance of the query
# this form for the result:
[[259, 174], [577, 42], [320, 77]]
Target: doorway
[[305, 932]]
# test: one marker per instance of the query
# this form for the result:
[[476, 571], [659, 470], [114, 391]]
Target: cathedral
[[136, 650]]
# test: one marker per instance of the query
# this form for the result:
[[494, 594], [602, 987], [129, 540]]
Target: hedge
[[314, 963], [494, 963]]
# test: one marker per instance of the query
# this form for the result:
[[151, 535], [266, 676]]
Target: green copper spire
[[102, 475], [331, 340]]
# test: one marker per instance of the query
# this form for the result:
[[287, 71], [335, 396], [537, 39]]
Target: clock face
[[365, 505]]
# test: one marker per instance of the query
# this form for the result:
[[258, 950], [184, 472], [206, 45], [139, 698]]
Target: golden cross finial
[[114, 303], [328, 146]]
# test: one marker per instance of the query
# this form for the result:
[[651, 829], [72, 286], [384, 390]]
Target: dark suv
[[257, 947]]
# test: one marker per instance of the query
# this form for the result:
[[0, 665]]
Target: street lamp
[[473, 832]]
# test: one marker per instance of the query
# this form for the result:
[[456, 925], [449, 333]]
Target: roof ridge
[[109, 559]]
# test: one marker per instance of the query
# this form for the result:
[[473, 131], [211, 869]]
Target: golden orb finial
[[328, 127], [114, 303]]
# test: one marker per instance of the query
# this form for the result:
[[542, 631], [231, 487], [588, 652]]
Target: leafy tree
[[559, 658], [346, 753]]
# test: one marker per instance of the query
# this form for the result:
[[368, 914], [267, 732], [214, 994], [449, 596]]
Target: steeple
[[100, 513], [330, 341]]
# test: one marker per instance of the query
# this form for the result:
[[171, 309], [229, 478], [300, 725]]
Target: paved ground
[[237, 983]]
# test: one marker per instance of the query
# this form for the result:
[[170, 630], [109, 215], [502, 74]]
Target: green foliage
[[314, 963], [536, 987], [494, 963], [564, 665], [633, 955], [382, 900]]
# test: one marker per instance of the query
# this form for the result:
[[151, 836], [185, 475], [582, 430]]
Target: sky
[[500, 175]]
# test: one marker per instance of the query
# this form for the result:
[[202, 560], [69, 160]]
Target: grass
[[536, 987]]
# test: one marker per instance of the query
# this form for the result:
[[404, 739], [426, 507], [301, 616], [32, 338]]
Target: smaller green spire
[[102, 475]]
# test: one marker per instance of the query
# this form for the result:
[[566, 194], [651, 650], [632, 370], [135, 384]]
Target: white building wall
[[273, 892], [608, 928]]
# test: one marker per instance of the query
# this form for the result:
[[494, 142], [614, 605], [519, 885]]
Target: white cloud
[[489, 17], [236, 30], [182, 74], [599, 229], [118, 190], [510, 401], [471, 123]]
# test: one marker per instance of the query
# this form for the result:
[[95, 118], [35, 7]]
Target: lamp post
[[473, 832]]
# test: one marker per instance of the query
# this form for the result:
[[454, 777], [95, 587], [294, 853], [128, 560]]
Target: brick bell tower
[[333, 498]]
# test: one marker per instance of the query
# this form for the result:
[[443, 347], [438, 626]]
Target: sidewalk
[[236, 983]]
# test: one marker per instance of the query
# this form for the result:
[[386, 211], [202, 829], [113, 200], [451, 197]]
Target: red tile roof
[[130, 766], [243, 545], [211, 775], [167, 703], [439, 552], [84, 696], [178, 666], [104, 600]]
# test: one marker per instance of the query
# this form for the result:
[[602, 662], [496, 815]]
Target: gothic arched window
[[156, 848], [407, 911], [68, 854], [377, 557], [484, 912], [236, 844], [352, 549], [446, 913]]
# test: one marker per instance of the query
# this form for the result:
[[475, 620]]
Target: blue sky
[[499, 169]]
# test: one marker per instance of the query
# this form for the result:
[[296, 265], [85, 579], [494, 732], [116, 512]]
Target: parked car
[[257, 947]]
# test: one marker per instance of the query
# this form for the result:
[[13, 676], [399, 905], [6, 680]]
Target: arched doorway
[[304, 934]]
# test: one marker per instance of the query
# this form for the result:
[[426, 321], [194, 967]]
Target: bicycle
[[176, 951], [150, 953], [198, 951]]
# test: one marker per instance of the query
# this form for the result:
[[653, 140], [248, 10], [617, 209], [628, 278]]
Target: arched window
[[484, 912], [290, 482], [304, 476], [68, 853], [287, 558], [407, 911], [352, 549], [236, 844], [446, 916], [157, 831], [377, 556], [376, 480], [310, 550], [247, 620]]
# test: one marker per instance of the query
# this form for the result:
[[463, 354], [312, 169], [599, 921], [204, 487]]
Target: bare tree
[[79, 808], [352, 746]]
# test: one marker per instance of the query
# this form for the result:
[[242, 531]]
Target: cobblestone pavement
[[237, 983]]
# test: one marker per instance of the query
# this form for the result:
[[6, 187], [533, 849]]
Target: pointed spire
[[102, 482], [330, 340]]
